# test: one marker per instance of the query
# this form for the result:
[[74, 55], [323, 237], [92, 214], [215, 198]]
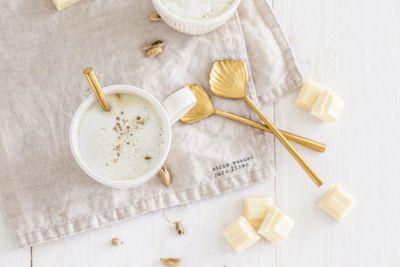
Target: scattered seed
[[154, 49], [171, 261], [147, 158], [164, 176], [116, 242], [179, 228], [153, 52], [154, 17]]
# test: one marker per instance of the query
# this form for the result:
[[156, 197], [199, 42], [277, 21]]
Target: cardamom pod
[[170, 261], [154, 51], [164, 176], [179, 228], [154, 17], [116, 242]]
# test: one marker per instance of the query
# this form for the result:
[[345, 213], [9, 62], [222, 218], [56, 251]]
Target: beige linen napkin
[[44, 195]]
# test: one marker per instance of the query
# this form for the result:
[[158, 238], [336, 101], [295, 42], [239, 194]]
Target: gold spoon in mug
[[204, 108], [96, 87], [229, 78]]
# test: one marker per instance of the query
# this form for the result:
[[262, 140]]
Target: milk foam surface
[[197, 9], [123, 143]]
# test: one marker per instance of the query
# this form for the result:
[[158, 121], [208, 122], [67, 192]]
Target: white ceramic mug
[[174, 107], [192, 26]]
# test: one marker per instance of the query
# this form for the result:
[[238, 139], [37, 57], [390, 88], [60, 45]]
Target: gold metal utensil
[[204, 108], [96, 87], [229, 79]]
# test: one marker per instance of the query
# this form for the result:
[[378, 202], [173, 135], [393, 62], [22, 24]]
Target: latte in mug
[[123, 143], [121, 136]]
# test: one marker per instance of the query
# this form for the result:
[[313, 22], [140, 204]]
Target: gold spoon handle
[[289, 136], [307, 168], [96, 87]]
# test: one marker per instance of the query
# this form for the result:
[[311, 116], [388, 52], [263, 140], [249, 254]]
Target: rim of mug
[[196, 22], [74, 145]]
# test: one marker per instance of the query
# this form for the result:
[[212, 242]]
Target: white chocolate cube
[[337, 203], [328, 107], [335, 107], [63, 4], [240, 235], [318, 109], [276, 225], [255, 209], [308, 95]]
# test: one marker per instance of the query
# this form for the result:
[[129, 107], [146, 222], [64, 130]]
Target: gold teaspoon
[[229, 78], [204, 108], [96, 87]]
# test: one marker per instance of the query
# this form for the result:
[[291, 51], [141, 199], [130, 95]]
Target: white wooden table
[[353, 46]]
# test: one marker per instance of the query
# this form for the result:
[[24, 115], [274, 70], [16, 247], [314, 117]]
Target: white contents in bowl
[[124, 143], [197, 9]]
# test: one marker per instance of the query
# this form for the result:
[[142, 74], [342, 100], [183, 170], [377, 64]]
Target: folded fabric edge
[[290, 84], [293, 81], [8, 224], [214, 188]]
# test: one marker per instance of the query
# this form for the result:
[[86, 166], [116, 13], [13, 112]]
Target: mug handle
[[179, 103]]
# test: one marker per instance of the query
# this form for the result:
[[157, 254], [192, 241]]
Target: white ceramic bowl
[[192, 26]]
